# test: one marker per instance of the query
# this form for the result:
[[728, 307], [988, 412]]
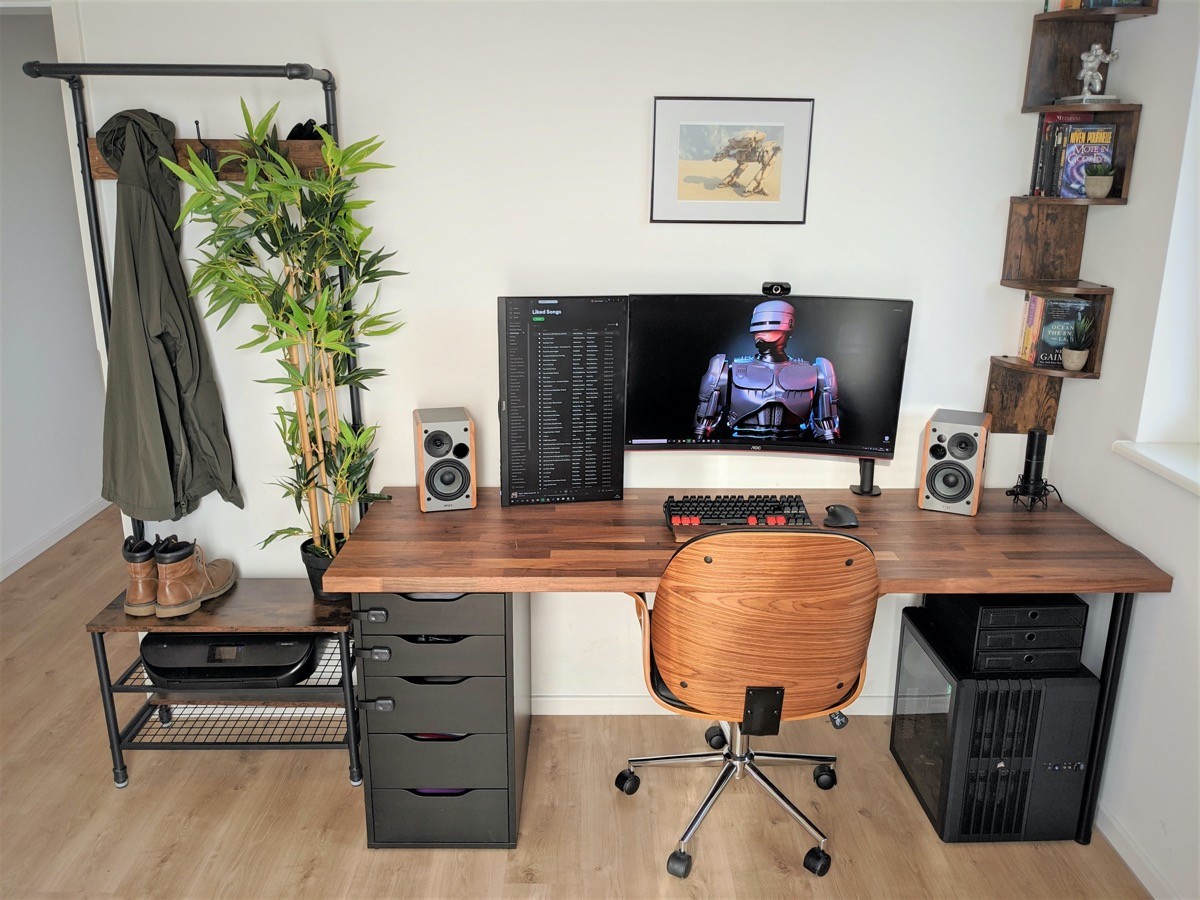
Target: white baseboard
[[642, 705], [40, 545], [1128, 849]]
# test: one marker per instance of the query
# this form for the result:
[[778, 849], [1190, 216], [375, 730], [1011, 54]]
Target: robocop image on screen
[[769, 396]]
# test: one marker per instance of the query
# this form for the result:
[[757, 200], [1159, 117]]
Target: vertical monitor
[[562, 398], [748, 372]]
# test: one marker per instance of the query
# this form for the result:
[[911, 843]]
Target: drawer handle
[[439, 792], [434, 598], [379, 654], [375, 614], [437, 679], [380, 704], [433, 638], [439, 736]]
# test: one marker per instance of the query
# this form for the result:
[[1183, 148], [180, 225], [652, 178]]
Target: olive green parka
[[165, 441]]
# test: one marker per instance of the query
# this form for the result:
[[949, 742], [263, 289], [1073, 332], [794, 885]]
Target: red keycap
[[752, 520], [675, 520]]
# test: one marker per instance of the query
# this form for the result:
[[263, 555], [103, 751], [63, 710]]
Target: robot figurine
[[769, 396]]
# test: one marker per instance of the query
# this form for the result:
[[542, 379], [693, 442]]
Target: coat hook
[[207, 153]]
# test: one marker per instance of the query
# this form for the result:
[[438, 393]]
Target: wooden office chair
[[751, 629]]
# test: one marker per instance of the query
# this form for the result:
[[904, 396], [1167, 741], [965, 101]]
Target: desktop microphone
[[1035, 458], [1031, 485]]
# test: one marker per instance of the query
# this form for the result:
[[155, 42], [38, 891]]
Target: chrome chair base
[[736, 761]]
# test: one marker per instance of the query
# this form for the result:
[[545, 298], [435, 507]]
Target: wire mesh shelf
[[234, 727]]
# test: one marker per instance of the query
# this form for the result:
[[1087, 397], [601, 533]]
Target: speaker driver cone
[[963, 446], [949, 482], [438, 444], [448, 479]]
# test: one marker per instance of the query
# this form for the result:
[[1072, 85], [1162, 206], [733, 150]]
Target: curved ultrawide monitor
[[749, 372]]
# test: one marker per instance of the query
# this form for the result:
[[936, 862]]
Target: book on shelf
[[1049, 322], [1044, 146], [1031, 315], [1101, 4], [1083, 145]]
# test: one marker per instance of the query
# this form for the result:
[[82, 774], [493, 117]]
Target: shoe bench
[[318, 713]]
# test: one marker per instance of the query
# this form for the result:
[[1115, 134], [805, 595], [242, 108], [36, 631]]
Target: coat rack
[[92, 166]]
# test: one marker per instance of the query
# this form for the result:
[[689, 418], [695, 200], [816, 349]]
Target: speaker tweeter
[[445, 456], [952, 453]]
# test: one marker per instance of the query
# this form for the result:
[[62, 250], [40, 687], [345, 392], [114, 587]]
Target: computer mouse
[[840, 517]]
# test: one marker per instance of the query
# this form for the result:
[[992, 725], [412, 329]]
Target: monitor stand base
[[866, 486]]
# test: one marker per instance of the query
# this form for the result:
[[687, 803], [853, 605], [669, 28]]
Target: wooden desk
[[624, 546]]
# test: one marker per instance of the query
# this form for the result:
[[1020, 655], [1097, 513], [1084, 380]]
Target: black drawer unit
[[413, 614], [405, 818], [995, 634], [402, 705], [443, 693], [437, 762], [433, 654]]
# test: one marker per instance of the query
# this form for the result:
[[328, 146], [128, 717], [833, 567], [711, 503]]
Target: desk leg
[[351, 709], [120, 773], [1110, 676]]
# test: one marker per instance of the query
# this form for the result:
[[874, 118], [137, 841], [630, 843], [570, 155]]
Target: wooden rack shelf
[[1116, 13], [1044, 243], [1075, 201], [1019, 365], [1057, 286], [305, 154]]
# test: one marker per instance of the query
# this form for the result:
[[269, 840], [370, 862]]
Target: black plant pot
[[316, 566]]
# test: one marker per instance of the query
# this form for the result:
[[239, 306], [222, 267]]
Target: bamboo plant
[[287, 244]]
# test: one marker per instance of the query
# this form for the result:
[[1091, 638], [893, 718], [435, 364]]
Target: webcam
[[776, 288]]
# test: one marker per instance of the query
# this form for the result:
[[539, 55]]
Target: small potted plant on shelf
[[1098, 180], [1079, 342], [287, 244]]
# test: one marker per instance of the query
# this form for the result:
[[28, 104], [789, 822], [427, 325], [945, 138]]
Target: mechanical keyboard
[[762, 510]]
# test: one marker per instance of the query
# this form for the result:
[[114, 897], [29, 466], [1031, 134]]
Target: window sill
[[1178, 463]]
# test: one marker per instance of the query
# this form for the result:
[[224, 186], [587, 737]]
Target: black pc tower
[[990, 757]]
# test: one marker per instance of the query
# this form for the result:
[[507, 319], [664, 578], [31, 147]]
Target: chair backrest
[[744, 608]]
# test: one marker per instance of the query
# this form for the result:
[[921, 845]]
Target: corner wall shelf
[[1044, 243]]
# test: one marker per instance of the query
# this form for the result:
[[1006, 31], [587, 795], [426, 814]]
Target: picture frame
[[731, 159]]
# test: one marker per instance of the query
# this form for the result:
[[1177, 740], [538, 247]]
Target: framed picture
[[730, 159]]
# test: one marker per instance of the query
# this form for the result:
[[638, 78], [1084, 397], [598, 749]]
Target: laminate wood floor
[[289, 824]]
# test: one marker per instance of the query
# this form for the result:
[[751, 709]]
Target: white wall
[[521, 137], [522, 167], [1150, 797], [51, 397], [1171, 403]]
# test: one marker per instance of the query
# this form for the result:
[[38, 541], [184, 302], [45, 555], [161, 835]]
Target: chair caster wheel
[[817, 861], [824, 776], [628, 782], [838, 720], [679, 864], [715, 737]]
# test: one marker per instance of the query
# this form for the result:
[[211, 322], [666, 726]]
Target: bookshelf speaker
[[445, 455], [952, 461]]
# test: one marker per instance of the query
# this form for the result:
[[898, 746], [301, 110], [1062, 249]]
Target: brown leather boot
[[141, 596], [185, 580]]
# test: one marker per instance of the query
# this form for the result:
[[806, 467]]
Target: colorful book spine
[[1043, 161], [1029, 333]]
